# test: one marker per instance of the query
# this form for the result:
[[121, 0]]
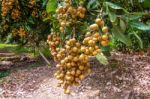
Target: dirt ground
[[126, 77]]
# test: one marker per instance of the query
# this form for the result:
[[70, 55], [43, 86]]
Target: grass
[[24, 49], [34, 53], [2, 45], [16, 48], [4, 73], [34, 65]]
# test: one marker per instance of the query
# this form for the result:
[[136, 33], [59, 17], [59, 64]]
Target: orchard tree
[[79, 32], [22, 21], [74, 39]]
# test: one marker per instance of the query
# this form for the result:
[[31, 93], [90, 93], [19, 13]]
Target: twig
[[46, 60]]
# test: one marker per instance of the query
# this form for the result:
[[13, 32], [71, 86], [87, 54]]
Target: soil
[[126, 77]]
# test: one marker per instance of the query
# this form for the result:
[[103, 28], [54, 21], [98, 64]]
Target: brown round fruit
[[88, 33], [81, 67], [81, 57], [81, 77], [99, 22], [104, 43], [83, 49], [105, 29], [94, 27], [78, 72], [104, 37], [91, 42], [67, 91]]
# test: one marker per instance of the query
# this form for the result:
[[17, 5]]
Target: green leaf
[[123, 25], [113, 6], [132, 17], [102, 58], [46, 19], [92, 4], [44, 3], [120, 36], [139, 40], [51, 6], [146, 3], [112, 16], [139, 25]]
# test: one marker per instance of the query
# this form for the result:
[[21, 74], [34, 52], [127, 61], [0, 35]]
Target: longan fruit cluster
[[35, 13], [15, 14], [31, 3], [12, 7], [4, 25], [72, 65], [68, 14], [73, 59], [19, 32], [7, 5], [14, 32], [72, 56], [90, 44], [53, 41], [103, 36], [44, 14]]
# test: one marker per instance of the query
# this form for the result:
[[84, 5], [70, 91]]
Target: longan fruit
[[73, 72], [89, 71], [88, 34], [91, 49], [62, 62], [78, 72], [78, 44], [99, 21], [75, 59], [82, 15], [81, 57], [93, 27], [81, 77], [87, 51], [104, 43], [83, 49], [63, 24], [104, 37], [91, 42], [70, 57], [95, 53], [61, 29], [81, 67], [67, 91], [69, 78], [73, 64], [68, 65], [105, 29]]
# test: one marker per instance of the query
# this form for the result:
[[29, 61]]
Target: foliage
[[72, 34], [22, 21], [75, 37], [125, 21]]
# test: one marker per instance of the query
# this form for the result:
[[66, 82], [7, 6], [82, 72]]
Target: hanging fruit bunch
[[7, 5], [4, 25], [35, 13], [11, 7], [72, 55], [29, 15], [31, 3], [19, 32], [67, 15]]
